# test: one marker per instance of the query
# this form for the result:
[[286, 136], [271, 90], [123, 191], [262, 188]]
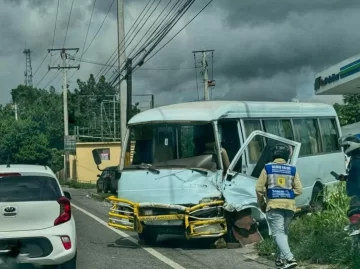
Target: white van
[[194, 163]]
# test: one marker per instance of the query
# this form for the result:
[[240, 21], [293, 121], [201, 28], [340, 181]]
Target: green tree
[[349, 112], [37, 137]]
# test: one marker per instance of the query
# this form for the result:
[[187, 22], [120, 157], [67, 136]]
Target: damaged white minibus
[[194, 166]]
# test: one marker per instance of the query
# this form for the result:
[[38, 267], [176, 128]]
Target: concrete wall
[[82, 166]]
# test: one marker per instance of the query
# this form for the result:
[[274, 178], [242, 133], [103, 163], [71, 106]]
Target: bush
[[320, 237]]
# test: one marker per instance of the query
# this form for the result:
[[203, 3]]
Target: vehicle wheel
[[317, 199], [149, 237], [97, 189], [113, 192], [106, 187]]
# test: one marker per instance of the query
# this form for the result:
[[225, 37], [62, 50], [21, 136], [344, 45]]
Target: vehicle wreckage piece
[[244, 228]]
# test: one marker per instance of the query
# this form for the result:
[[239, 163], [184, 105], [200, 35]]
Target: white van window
[[279, 127], [307, 133], [329, 135], [256, 146], [230, 140]]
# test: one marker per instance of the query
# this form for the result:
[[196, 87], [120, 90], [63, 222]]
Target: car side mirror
[[96, 157], [67, 195]]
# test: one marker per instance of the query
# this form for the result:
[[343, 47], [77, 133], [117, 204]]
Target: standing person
[[276, 189], [351, 146]]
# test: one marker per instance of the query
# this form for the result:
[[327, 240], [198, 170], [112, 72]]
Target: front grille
[[36, 247], [151, 211]]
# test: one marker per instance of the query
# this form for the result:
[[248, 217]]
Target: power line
[[87, 33], [57, 11], [159, 35], [100, 27], [166, 21], [179, 30], [122, 44], [95, 34], [45, 75], [154, 68], [42, 79], [37, 69], [67, 28], [52, 79], [146, 33]]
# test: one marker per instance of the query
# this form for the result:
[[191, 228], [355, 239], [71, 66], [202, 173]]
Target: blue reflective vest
[[280, 179]]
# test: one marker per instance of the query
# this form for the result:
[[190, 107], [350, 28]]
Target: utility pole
[[129, 88], [16, 111], [28, 68], [114, 116], [64, 68], [121, 60], [204, 71]]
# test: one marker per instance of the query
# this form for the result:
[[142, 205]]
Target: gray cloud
[[260, 11], [264, 50]]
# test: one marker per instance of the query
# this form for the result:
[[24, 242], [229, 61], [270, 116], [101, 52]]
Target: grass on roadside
[[78, 185], [320, 237]]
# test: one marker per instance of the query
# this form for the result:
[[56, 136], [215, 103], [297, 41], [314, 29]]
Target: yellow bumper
[[125, 215]]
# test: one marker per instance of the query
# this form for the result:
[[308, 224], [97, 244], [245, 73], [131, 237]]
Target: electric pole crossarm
[[64, 49], [64, 67], [200, 51]]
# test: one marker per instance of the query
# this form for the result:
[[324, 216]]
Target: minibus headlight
[[147, 212]]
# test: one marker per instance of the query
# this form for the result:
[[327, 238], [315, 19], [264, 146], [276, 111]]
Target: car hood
[[170, 186]]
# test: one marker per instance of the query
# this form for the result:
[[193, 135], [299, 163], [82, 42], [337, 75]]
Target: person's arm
[[261, 189], [298, 189]]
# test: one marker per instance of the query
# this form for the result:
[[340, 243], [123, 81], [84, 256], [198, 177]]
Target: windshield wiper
[[148, 167], [205, 173]]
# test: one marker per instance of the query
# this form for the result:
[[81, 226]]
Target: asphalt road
[[101, 247]]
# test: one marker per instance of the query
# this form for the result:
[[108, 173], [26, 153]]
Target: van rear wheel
[[317, 199]]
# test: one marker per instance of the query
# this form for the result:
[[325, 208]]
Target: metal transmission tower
[[204, 72], [28, 69]]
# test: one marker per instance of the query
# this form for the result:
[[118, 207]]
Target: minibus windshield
[[172, 145]]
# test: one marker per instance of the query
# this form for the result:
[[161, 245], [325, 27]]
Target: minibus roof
[[213, 110]]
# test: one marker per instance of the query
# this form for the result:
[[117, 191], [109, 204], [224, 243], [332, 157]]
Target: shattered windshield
[[185, 145]]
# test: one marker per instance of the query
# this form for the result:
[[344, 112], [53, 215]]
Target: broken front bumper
[[202, 220]]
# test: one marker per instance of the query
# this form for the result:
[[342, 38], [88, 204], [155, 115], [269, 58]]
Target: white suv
[[36, 223]]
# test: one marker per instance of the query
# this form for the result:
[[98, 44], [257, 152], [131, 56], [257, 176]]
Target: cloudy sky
[[264, 49]]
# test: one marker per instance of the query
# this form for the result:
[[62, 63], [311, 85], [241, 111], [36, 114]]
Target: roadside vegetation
[[37, 136], [78, 185], [319, 238]]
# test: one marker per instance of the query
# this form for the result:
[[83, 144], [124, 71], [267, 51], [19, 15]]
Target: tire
[[106, 186], [149, 237], [317, 199]]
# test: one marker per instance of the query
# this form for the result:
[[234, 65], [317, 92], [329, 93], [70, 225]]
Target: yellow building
[[82, 165]]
